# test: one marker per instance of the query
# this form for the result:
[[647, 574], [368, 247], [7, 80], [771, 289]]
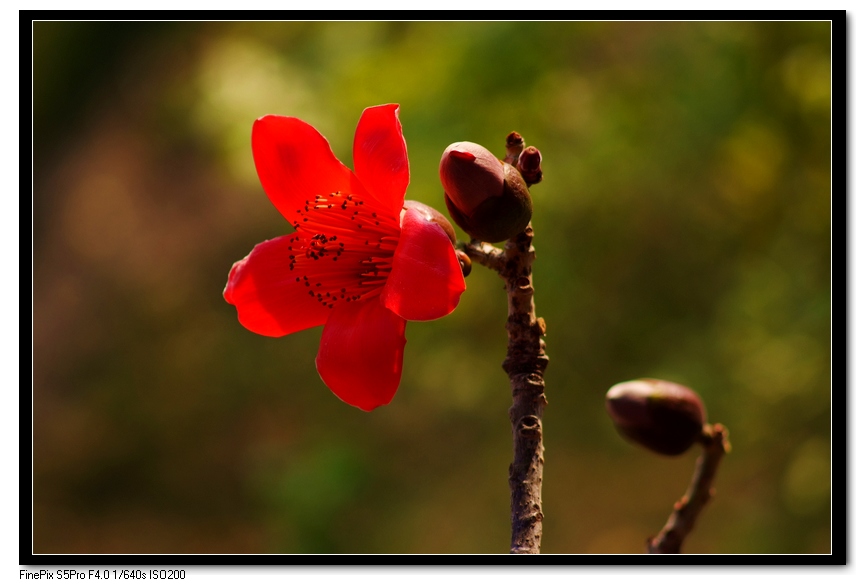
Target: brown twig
[[669, 540], [486, 255], [525, 364]]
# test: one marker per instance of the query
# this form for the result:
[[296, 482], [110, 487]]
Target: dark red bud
[[487, 198], [529, 165], [470, 174], [659, 415], [434, 215]]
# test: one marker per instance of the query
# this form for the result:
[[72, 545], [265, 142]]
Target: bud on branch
[[486, 197], [662, 416]]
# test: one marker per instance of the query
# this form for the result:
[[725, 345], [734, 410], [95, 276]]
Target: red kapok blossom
[[359, 262]]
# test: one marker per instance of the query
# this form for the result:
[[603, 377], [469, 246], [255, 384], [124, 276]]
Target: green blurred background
[[682, 232]]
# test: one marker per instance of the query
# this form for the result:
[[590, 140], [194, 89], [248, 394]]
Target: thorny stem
[[525, 364], [669, 540]]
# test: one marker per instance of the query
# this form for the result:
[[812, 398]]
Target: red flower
[[359, 262]]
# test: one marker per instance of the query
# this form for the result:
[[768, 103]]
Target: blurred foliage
[[682, 231]]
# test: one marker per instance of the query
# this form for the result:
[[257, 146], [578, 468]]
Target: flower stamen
[[359, 239]]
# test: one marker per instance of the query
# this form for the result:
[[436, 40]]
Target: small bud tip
[[465, 155], [514, 139]]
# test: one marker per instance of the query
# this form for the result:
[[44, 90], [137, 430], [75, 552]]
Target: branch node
[[541, 326], [530, 427]]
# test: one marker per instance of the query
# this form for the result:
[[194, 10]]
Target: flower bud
[[487, 198], [514, 145], [529, 164], [434, 215], [465, 262], [662, 416]]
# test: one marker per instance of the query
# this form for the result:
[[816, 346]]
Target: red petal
[[360, 357], [269, 300], [426, 280], [295, 163], [380, 157]]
